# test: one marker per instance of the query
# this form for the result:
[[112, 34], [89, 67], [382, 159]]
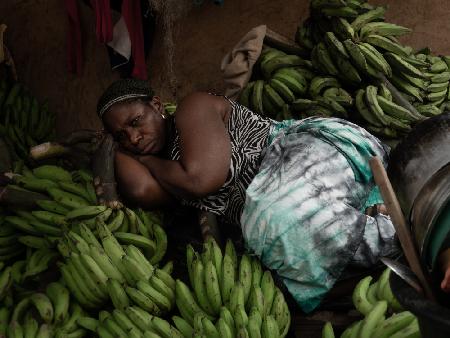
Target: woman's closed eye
[[135, 122]]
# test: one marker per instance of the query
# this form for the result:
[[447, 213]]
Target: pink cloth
[[74, 48]]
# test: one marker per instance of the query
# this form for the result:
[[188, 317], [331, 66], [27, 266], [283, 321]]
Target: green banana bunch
[[6, 281], [23, 120], [98, 268], [230, 295], [170, 107], [40, 314]]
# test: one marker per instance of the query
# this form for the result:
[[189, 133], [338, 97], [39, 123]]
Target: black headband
[[123, 90]]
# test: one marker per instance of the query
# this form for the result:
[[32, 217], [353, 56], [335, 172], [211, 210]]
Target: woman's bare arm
[[137, 185], [205, 149]]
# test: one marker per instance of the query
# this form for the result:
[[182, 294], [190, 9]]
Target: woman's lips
[[148, 147]]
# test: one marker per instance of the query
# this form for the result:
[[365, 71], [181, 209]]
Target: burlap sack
[[237, 65]]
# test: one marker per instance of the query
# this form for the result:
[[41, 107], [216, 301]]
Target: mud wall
[[37, 30]]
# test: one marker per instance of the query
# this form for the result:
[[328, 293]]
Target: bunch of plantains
[[24, 122], [230, 297], [70, 202], [383, 315], [354, 68], [51, 313]]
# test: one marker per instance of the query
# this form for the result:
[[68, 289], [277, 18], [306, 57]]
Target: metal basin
[[418, 157], [426, 210]]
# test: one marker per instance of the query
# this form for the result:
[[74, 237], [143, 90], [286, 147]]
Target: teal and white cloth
[[304, 210]]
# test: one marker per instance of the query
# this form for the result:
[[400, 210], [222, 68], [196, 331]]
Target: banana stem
[[81, 136], [104, 177], [397, 96], [47, 150]]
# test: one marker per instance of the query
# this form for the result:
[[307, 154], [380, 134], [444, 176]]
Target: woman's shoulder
[[201, 98]]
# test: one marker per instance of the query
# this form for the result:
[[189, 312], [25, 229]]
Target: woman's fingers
[[445, 284]]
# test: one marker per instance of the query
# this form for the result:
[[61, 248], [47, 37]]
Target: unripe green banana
[[117, 220], [256, 299], [105, 264], [256, 98], [382, 28], [245, 275], [52, 206], [367, 17], [135, 269], [373, 319], [124, 321], [140, 241], [30, 327], [166, 278], [163, 328], [117, 294], [52, 172], [43, 305], [184, 296], [183, 326], [319, 83], [86, 212], [88, 323], [199, 287], [269, 328], [327, 331], [278, 307], [60, 297], [224, 329], [402, 65], [268, 290], [141, 318], [393, 324], [209, 328], [140, 299], [160, 237], [375, 59], [21, 224], [91, 282], [35, 242], [159, 299], [240, 317], [411, 331], [83, 296], [76, 188], [386, 44], [359, 296], [103, 332]]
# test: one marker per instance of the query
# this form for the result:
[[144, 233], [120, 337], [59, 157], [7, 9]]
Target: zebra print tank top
[[248, 134]]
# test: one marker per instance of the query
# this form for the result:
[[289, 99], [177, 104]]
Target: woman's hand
[[376, 209], [444, 262], [137, 184]]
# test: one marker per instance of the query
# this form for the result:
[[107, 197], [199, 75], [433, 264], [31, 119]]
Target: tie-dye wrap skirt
[[304, 210]]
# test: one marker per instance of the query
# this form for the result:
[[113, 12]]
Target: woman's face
[[138, 126]]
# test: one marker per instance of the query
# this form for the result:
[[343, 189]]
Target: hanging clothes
[[125, 40], [74, 48]]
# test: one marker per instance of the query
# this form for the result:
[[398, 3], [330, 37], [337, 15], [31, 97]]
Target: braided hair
[[123, 90]]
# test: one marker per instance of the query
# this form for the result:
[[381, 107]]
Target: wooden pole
[[401, 228]]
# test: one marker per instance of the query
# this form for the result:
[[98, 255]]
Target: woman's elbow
[[199, 187]]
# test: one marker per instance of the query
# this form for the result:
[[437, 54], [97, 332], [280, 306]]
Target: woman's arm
[[137, 185], [205, 149]]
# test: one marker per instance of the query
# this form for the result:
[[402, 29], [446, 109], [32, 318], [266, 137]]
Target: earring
[[164, 116]]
